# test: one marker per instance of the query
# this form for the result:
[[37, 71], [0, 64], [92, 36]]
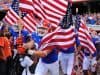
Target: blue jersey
[[87, 52], [36, 37], [52, 56], [14, 34]]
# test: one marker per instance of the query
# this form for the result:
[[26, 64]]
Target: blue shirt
[[52, 56], [91, 21]]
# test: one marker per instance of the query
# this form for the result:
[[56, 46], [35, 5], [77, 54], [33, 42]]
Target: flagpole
[[20, 28], [77, 27]]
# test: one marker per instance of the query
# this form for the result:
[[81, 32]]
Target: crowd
[[20, 54], [92, 18]]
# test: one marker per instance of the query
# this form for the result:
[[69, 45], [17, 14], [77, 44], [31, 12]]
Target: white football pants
[[67, 62], [43, 68]]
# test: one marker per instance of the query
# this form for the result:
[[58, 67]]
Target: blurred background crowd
[[91, 18]]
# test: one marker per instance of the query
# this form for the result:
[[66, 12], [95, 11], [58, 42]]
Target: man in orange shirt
[[5, 52], [2, 55], [8, 51]]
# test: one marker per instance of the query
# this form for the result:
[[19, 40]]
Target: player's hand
[[31, 52]]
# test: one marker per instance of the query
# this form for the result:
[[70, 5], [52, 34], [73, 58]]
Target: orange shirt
[[7, 48], [2, 45], [5, 44]]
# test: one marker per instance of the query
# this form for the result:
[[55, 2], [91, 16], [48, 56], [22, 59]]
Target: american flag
[[52, 10], [13, 16], [29, 22], [63, 37], [84, 36]]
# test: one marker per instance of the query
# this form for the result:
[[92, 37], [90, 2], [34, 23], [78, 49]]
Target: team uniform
[[87, 59], [48, 63], [97, 44], [67, 58], [88, 62]]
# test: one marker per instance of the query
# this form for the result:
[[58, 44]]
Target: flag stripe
[[48, 37], [26, 5], [11, 17], [85, 38], [29, 22]]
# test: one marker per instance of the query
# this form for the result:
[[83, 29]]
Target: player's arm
[[39, 53]]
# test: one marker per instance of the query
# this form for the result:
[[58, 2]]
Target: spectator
[[91, 19], [98, 19]]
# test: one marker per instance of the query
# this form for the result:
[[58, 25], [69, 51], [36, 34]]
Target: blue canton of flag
[[15, 6]]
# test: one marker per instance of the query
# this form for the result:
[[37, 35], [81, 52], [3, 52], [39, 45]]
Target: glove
[[27, 62], [21, 59], [30, 52], [36, 45]]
